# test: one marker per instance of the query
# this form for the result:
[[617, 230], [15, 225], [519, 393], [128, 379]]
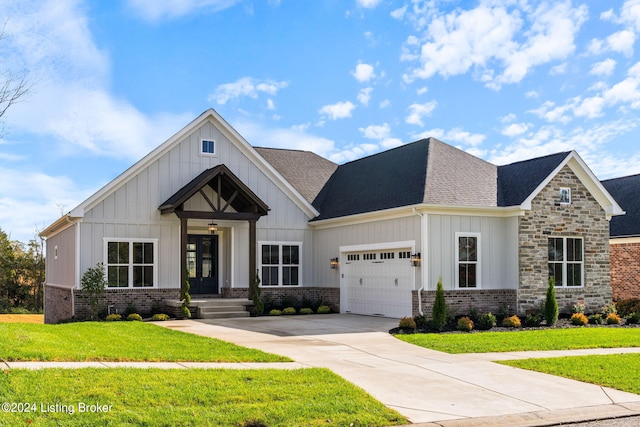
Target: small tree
[[439, 311], [93, 284], [186, 296], [257, 301], [551, 304]]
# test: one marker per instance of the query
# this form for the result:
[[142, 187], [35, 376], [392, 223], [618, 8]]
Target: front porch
[[210, 307]]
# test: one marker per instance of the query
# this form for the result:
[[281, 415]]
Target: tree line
[[22, 274]]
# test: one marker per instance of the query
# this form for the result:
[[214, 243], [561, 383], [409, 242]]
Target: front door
[[202, 263]]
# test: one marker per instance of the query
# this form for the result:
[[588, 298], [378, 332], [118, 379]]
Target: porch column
[[252, 256], [183, 254]]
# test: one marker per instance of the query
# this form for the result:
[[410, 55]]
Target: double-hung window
[[280, 264], [468, 260], [131, 263], [566, 261]]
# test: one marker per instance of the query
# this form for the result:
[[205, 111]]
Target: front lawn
[[118, 342], [620, 371], [532, 340], [303, 397]]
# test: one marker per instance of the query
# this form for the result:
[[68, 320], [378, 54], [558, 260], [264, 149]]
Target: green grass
[[543, 339], [118, 341], [153, 397], [620, 371]]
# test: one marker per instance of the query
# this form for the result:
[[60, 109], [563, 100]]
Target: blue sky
[[505, 80]]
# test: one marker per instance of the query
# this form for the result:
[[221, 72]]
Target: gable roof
[[626, 191], [306, 171]]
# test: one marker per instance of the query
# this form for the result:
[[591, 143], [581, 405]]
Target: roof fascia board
[[58, 226], [404, 211], [621, 240], [162, 149]]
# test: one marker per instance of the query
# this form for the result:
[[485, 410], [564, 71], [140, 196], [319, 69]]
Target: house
[[625, 238], [372, 236]]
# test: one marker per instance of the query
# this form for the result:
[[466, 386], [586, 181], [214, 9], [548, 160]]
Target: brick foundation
[[461, 300], [142, 298], [58, 304], [625, 270], [330, 296]]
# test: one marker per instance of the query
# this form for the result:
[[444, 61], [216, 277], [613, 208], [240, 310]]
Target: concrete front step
[[223, 314], [216, 308]]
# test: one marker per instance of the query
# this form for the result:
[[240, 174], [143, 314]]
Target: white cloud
[[515, 129], [363, 72], [376, 131], [368, 4], [589, 107], [399, 13], [154, 10], [245, 86], [364, 96], [622, 42], [353, 152], [417, 112], [422, 90], [630, 13], [455, 135], [603, 68], [339, 110]]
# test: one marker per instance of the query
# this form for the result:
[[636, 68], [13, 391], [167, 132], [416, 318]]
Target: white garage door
[[377, 282]]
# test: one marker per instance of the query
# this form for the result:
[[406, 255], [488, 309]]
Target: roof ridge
[[566, 153], [621, 177]]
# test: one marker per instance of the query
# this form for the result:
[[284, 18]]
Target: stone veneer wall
[[330, 296], [625, 270], [461, 300], [58, 304], [547, 218], [143, 298]]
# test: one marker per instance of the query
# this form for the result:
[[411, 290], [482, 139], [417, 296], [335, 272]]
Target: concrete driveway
[[424, 385]]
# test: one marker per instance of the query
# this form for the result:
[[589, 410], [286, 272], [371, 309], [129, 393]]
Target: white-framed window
[[468, 260], [566, 261], [131, 263], [208, 147], [280, 263]]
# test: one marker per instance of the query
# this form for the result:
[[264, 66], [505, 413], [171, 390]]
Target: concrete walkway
[[424, 385]]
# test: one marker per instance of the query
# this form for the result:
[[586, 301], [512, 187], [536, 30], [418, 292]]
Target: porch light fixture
[[415, 260], [333, 262], [213, 228]]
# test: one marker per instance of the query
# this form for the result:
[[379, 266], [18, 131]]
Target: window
[[566, 261], [353, 257], [387, 255], [131, 263], [208, 146], [467, 260], [280, 264], [404, 255]]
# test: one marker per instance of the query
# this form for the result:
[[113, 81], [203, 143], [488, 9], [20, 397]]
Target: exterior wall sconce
[[213, 228], [415, 260], [333, 263]]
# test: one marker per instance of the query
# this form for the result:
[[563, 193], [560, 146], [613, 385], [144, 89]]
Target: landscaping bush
[[131, 309], [613, 319], [628, 306], [502, 313], [579, 319], [439, 311], [532, 320], [306, 310], [633, 318], [160, 317], [474, 314], [407, 323], [421, 321], [577, 308], [157, 306], [551, 304], [465, 324], [113, 317], [595, 319], [487, 321], [289, 311], [94, 282], [511, 322], [610, 309], [323, 309], [275, 312], [134, 317]]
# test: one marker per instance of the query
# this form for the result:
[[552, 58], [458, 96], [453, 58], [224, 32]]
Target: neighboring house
[[372, 236], [625, 238]]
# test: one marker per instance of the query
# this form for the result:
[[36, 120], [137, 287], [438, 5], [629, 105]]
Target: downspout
[[77, 256], [425, 256]]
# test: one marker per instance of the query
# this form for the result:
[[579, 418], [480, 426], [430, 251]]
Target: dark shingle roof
[[381, 181], [626, 191], [517, 181]]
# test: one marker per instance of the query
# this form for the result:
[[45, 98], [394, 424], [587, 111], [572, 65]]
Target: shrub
[[421, 321], [134, 317], [289, 311], [628, 306], [613, 319], [633, 318], [157, 306], [511, 322], [595, 319], [160, 317], [551, 304], [577, 308], [532, 320], [487, 321], [93, 284], [610, 309], [579, 319], [407, 323], [306, 310], [131, 308], [323, 309], [465, 324], [113, 317], [258, 304], [474, 314], [502, 312], [275, 312], [439, 311]]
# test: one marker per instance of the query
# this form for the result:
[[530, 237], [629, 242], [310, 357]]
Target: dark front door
[[202, 263]]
